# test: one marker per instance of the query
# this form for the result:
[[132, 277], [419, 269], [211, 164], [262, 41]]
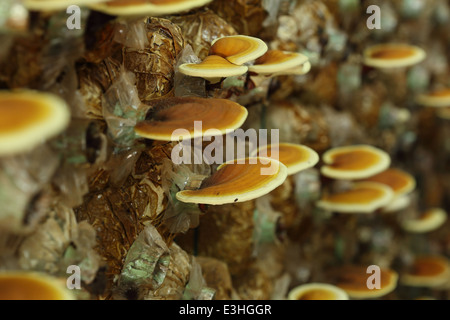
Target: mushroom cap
[[50, 5], [393, 55], [437, 98], [427, 271], [276, 61], [180, 113], [353, 280], [28, 118], [147, 7], [238, 49], [235, 182], [399, 203], [363, 197], [22, 285], [317, 291], [297, 71], [212, 67], [294, 156], [399, 181], [354, 162], [429, 221]]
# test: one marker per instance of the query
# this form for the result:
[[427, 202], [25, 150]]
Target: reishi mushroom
[[317, 291], [401, 182], [147, 7], [437, 98], [294, 156], [28, 118], [23, 285], [171, 114], [213, 68], [237, 181], [428, 221], [363, 197], [277, 62], [238, 49], [297, 71], [354, 162], [427, 271], [353, 280], [393, 55]]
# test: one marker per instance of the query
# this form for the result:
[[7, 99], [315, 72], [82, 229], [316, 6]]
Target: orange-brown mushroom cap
[[238, 181], [392, 55], [363, 197], [277, 61], [427, 271], [239, 49], [353, 280], [430, 220], [438, 98], [317, 291], [51, 5], [175, 118], [21, 285], [28, 118], [212, 68], [294, 156], [354, 162], [147, 7], [399, 181]]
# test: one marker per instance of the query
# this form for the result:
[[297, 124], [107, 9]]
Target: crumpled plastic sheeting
[[272, 7], [265, 223], [316, 25], [176, 278], [201, 28], [121, 109], [339, 124], [217, 277], [186, 85], [147, 261], [153, 66], [121, 165], [307, 188], [246, 16], [60, 242], [63, 47], [179, 216], [298, 123], [72, 183], [82, 143], [21, 178], [131, 33], [196, 288], [67, 88]]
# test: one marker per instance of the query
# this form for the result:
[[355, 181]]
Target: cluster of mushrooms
[[128, 137]]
